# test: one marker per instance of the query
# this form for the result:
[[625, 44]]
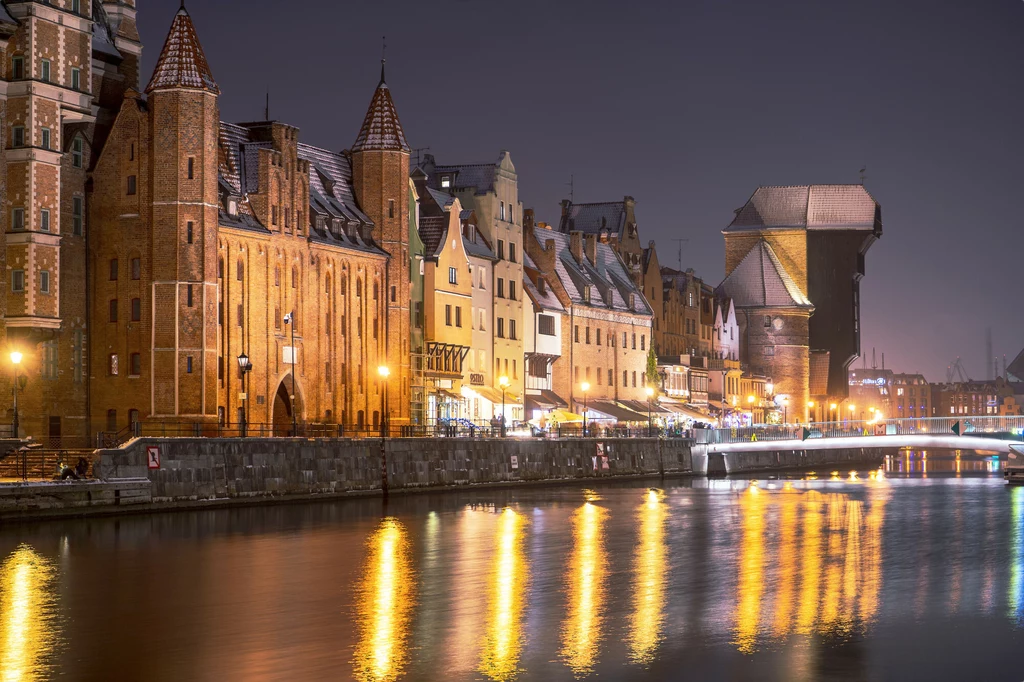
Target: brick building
[[911, 397]]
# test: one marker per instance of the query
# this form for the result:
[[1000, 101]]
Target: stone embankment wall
[[776, 460], [217, 468]]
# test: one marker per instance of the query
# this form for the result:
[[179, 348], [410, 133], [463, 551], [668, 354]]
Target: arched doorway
[[282, 413]]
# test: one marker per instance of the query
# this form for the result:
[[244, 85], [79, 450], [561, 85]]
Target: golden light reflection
[[786, 563], [585, 587], [386, 596], [27, 633], [650, 567], [751, 570], [503, 635], [810, 552]]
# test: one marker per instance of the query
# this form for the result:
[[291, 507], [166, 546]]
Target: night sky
[[688, 107]]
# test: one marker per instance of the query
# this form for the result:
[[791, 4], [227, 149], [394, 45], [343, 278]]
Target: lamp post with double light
[[650, 397], [383, 372], [503, 382], [245, 366], [585, 386], [16, 361]]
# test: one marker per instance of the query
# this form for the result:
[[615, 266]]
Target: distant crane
[[957, 371]]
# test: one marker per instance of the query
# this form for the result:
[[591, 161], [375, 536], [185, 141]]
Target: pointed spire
[[182, 63], [381, 129], [383, 59]]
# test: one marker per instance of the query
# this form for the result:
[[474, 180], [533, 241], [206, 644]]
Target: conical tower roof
[[381, 129], [182, 63], [760, 281]]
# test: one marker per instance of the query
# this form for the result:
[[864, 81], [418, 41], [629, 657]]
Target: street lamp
[[833, 411], [810, 407], [245, 366], [15, 360], [785, 410], [585, 386], [384, 373], [650, 397], [503, 383], [289, 320], [750, 403]]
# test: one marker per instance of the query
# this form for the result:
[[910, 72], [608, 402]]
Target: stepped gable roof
[[760, 281], [608, 279], [182, 63], [607, 217], [381, 131], [811, 207]]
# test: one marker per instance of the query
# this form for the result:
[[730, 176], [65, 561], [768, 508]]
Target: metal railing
[[43, 464], [988, 426]]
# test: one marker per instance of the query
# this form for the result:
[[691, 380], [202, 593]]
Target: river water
[[914, 573]]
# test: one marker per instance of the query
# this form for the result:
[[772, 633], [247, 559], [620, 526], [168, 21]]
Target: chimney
[[576, 246], [527, 219], [590, 246]]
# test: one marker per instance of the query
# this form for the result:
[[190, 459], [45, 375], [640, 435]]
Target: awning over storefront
[[545, 400], [493, 395], [685, 411], [616, 412], [641, 406]]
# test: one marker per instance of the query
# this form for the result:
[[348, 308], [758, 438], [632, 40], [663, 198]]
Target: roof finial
[[182, 6], [383, 56]]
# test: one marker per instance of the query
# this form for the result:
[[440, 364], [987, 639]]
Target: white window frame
[[44, 70], [46, 138], [17, 136], [18, 281], [77, 152], [44, 281], [17, 219], [76, 78], [44, 219]]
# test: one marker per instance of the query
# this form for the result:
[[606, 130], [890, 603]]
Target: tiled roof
[[760, 281], [432, 231], [5, 16], [809, 207], [546, 301], [610, 283], [478, 248], [182, 63], [381, 128], [607, 217], [818, 382], [476, 175]]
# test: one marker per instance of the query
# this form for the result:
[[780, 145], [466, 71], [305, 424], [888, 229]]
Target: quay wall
[[708, 462]]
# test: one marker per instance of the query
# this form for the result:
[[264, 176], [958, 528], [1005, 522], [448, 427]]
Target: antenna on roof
[[863, 174], [572, 187], [416, 152], [680, 242], [383, 55], [266, 111]]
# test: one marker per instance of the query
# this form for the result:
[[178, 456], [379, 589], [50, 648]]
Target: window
[[634, 378], [391, 208], [76, 78], [576, 333], [44, 219], [634, 340], [113, 310], [501, 288], [76, 216], [17, 281], [501, 249], [767, 321], [188, 364], [191, 168], [446, 181], [45, 132], [188, 231], [131, 185], [642, 341], [240, 270], [137, 307], [625, 378], [136, 268], [453, 276], [448, 315], [78, 354], [586, 335], [501, 327], [113, 269], [112, 365], [188, 294], [273, 215], [501, 212], [17, 68], [458, 316], [586, 294], [44, 281], [393, 293], [76, 6], [611, 378], [512, 252], [599, 336], [512, 289], [376, 289], [77, 152], [512, 329], [546, 325], [135, 367], [131, 152], [17, 219], [18, 136], [44, 70], [240, 315]]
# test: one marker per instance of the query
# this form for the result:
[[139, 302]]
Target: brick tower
[[380, 178], [183, 227]]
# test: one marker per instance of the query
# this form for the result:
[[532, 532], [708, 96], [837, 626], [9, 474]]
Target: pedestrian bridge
[[896, 442]]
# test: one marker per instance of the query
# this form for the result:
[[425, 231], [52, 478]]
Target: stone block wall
[[206, 468]]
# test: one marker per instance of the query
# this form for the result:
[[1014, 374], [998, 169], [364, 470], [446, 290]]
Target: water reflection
[[751, 569], [585, 588], [28, 629], [649, 570], [385, 600], [503, 639], [1015, 598]]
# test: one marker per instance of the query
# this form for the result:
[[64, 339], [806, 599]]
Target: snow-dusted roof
[[760, 281], [848, 207], [381, 128], [476, 175], [182, 63], [607, 217]]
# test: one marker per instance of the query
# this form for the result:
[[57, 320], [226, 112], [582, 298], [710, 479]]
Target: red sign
[[153, 456], [879, 429]]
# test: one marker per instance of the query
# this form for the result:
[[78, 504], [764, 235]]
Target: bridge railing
[[990, 426]]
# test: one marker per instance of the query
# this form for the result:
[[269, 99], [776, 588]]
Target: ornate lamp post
[[503, 382], [245, 366], [384, 373], [585, 386], [16, 361], [785, 410], [650, 397]]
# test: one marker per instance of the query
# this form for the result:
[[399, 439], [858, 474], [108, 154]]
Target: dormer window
[[632, 301], [586, 294], [446, 181], [232, 207]]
